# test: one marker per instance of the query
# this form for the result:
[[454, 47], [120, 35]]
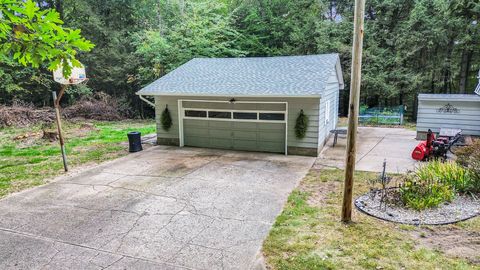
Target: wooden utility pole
[[356, 78], [56, 102]]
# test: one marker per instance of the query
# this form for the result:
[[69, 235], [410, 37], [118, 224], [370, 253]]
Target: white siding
[[330, 94], [467, 118]]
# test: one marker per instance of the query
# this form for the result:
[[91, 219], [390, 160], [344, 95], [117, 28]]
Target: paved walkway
[[163, 208], [374, 145]]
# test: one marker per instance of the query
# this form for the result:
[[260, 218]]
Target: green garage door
[[263, 137]]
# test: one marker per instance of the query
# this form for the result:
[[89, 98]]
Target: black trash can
[[134, 141]]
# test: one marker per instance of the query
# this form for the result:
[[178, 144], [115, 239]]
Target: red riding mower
[[435, 148]]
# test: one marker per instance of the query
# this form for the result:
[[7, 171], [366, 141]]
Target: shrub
[[433, 183], [419, 197], [76, 92], [447, 173], [469, 158]]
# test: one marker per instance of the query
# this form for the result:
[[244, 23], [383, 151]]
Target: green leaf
[[75, 62], [53, 17], [55, 64], [36, 37], [30, 9]]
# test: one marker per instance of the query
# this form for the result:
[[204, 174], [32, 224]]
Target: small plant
[[363, 109], [301, 125], [422, 196], [434, 183], [446, 173], [166, 119]]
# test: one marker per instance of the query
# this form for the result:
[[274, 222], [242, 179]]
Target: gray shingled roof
[[249, 76]]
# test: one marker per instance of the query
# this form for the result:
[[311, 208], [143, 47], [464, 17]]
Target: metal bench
[[337, 131]]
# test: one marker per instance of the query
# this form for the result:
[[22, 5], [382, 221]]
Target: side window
[[327, 112]]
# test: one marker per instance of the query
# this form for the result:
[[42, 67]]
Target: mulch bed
[[463, 207]]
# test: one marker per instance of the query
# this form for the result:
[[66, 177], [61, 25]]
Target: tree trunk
[[414, 108], [448, 67], [464, 70]]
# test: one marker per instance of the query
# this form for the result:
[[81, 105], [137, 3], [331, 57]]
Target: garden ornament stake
[[384, 180], [353, 109]]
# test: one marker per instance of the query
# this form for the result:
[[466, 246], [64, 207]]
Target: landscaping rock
[[463, 207]]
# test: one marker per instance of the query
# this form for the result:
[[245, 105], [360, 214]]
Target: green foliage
[[166, 119], [24, 83], [301, 125], [435, 182], [469, 158], [203, 30], [410, 47], [34, 37], [363, 109], [419, 197], [76, 92]]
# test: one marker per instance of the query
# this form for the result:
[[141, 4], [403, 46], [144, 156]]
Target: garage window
[[272, 116], [245, 115], [192, 113], [214, 114]]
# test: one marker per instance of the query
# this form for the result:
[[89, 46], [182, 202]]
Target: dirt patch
[[320, 191], [83, 130], [452, 241]]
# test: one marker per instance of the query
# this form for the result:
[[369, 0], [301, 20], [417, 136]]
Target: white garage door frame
[[181, 115]]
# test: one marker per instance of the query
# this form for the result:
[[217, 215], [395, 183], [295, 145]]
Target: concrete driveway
[[374, 145], [163, 208]]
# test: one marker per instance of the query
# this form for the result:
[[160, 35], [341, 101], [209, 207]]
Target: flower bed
[[435, 193]]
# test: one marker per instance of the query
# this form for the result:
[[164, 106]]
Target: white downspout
[[147, 101]]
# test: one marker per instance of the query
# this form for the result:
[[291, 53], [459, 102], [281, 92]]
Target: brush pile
[[99, 106], [22, 114]]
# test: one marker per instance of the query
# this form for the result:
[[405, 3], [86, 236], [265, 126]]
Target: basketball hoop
[[78, 76]]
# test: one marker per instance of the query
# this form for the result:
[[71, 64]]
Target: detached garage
[[250, 104]]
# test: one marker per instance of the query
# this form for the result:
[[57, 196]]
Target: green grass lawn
[[308, 234], [29, 162]]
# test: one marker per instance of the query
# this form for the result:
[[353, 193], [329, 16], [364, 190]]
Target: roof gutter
[[464, 98], [228, 95], [147, 101]]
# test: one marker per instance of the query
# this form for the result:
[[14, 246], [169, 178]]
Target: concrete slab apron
[[374, 145], [164, 208]]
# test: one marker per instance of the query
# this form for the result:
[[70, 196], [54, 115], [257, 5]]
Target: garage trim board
[[206, 114]]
